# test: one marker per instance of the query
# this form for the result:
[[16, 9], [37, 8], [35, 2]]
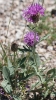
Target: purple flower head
[[32, 13], [31, 38]]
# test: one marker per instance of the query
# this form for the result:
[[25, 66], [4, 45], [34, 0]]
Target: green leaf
[[45, 37], [22, 66], [23, 70], [10, 67], [7, 87], [30, 61], [43, 18], [6, 73], [1, 66], [27, 76], [39, 74], [51, 74], [31, 26], [16, 98], [22, 60], [42, 79], [51, 71], [52, 95], [25, 49], [46, 93], [38, 60], [4, 56], [36, 84]]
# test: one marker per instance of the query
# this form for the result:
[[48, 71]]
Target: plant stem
[[15, 72], [10, 16], [14, 59], [34, 57], [34, 47], [55, 4], [42, 2], [36, 67]]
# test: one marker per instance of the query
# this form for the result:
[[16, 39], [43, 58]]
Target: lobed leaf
[[10, 67], [7, 87]]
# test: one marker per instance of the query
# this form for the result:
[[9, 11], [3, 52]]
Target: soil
[[34, 96], [38, 97], [4, 97]]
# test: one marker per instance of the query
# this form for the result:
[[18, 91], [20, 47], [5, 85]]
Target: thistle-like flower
[[33, 12], [31, 38]]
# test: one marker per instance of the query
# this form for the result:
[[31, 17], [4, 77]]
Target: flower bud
[[14, 46]]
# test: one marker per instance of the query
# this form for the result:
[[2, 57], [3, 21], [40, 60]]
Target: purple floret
[[33, 10], [30, 39]]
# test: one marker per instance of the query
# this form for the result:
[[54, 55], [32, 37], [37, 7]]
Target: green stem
[[35, 58], [14, 59], [36, 67], [15, 72], [34, 55], [42, 2], [10, 15]]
